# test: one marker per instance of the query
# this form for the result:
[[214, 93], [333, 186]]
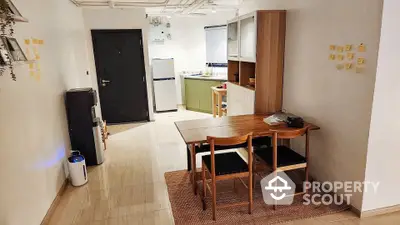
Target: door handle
[[104, 82]]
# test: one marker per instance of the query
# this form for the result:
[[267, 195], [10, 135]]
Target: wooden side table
[[217, 94]]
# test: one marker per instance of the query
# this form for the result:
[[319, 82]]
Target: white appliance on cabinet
[[164, 85]]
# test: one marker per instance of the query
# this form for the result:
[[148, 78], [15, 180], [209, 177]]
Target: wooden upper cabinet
[[256, 49], [248, 38], [233, 40]]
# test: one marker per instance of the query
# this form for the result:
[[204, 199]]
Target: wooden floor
[[129, 188]]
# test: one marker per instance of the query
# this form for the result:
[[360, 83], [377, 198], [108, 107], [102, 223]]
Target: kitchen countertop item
[[202, 77]]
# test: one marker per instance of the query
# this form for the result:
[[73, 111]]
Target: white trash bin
[[77, 169]]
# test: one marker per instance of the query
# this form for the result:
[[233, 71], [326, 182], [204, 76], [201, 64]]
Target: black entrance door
[[121, 75]]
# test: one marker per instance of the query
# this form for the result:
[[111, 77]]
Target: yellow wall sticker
[[349, 47], [332, 57], [339, 66], [32, 73], [350, 55], [340, 48], [37, 77], [361, 61], [340, 57], [332, 47], [348, 66], [362, 48], [27, 41], [359, 69]]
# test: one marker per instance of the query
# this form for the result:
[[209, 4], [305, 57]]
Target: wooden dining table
[[195, 132]]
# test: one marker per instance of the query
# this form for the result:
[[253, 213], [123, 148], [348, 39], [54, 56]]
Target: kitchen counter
[[198, 93], [214, 78]]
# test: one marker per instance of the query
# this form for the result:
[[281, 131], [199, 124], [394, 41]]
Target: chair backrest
[[289, 133], [231, 141]]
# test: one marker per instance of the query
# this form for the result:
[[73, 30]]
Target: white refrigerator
[[164, 85]]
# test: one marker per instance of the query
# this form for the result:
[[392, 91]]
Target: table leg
[[194, 180], [219, 105], [214, 105]]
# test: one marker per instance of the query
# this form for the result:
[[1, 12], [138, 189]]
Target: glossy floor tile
[[129, 187]]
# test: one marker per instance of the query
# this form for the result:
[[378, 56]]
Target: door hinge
[[143, 79], [141, 42]]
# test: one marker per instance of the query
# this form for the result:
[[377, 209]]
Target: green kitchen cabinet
[[198, 94]]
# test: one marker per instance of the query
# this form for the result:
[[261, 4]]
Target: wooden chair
[[283, 158], [260, 142], [227, 166]]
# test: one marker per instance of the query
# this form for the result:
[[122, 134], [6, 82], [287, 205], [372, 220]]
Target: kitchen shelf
[[248, 59], [233, 58], [233, 68], [247, 71]]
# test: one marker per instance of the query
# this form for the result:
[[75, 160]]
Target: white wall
[[118, 19], [339, 102], [33, 131], [188, 43], [383, 147]]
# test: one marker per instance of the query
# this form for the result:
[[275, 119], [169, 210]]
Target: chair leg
[[306, 180], [306, 174], [189, 156], [250, 185], [254, 171], [274, 206], [193, 154], [203, 176], [214, 198]]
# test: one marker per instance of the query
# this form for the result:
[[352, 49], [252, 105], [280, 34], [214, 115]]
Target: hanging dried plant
[[7, 23]]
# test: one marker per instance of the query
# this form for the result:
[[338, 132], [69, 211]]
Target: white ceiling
[[167, 7]]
